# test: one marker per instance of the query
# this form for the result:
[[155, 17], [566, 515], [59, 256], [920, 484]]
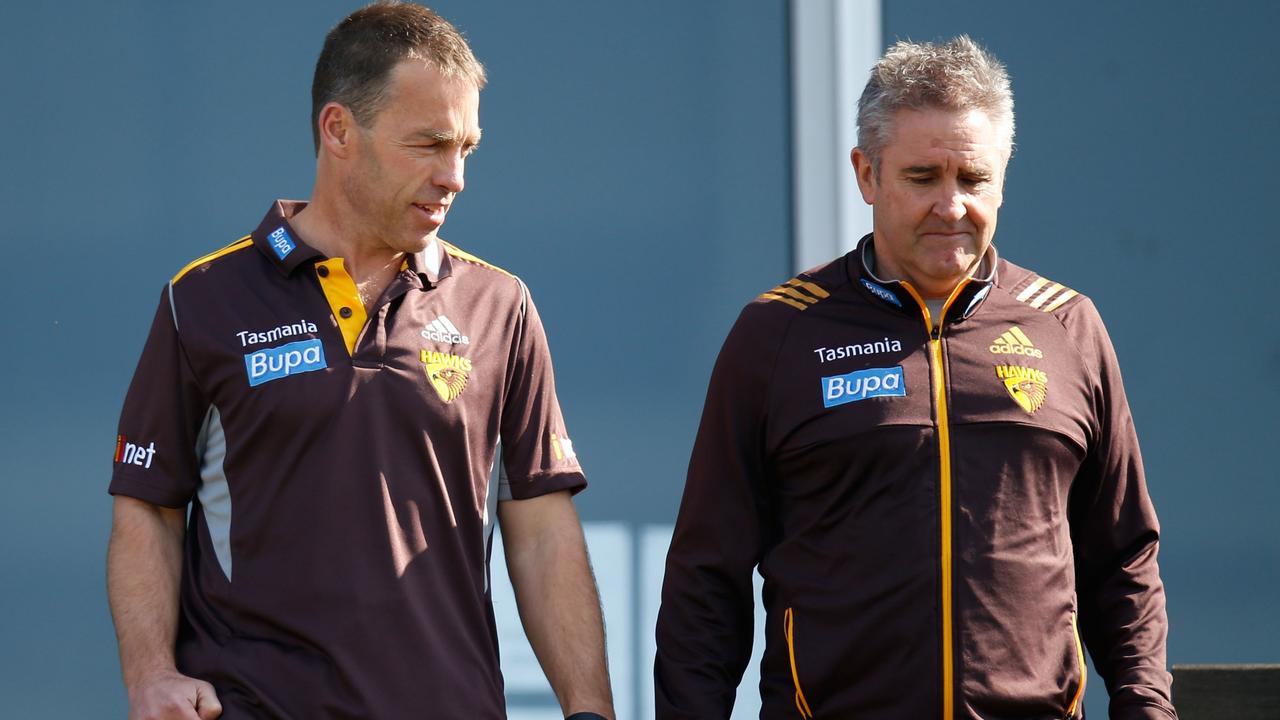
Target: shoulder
[[767, 320], [471, 263], [787, 300], [202, 283], [1073, 310], [476, 269], [483, 279], [1036, 291], [204, 263]]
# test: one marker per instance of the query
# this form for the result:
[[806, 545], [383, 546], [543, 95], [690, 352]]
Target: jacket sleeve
[[705, 624], [1116, 538]]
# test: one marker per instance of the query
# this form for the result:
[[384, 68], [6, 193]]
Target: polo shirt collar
[[420, 263], [279, 242], [276, 239]]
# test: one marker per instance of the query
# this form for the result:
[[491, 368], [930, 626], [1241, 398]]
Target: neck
[[325, 225], [929, 291], [939, 292]]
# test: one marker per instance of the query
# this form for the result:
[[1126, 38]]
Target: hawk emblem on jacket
[[1027, 386], [1029, 394]]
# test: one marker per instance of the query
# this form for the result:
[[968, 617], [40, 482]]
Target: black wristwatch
[[586, 716]]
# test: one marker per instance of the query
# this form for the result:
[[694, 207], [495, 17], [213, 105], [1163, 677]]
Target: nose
[[949, 206], [449, 175]]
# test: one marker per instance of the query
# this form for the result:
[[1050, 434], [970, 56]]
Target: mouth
[[432, 212], [947, 235]]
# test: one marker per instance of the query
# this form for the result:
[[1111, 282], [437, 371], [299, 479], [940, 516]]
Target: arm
[[557, 598], [1116, 537], [162, 412], [546, 555], [144, 566], [705, 625]]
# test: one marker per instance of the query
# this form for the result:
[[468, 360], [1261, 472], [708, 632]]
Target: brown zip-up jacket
[[946, 513]]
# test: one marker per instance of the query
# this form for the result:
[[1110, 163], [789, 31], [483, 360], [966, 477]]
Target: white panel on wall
[[834, 43], [630, 610]]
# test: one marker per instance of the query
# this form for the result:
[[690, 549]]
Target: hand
[[170, 695]]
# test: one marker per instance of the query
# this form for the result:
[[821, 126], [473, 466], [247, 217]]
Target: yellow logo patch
[[562, 447], [1015, 342], [1027, 386], [447, 373]]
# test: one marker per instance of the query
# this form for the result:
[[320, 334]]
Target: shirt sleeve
[[155, 457], [537, 455], [1116, 537], [705, 624]]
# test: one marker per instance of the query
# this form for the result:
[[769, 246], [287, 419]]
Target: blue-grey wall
[[635, 172]]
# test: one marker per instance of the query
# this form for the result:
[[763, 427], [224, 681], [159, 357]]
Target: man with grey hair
[[347, 403], [927, 453]]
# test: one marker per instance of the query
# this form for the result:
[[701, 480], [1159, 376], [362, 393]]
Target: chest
[[849, 376], [429, 356]]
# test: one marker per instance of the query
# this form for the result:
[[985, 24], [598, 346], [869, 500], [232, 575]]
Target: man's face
[[935, 201], [409, 162]]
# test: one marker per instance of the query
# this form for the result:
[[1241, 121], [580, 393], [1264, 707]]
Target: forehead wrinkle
[[938, 158]]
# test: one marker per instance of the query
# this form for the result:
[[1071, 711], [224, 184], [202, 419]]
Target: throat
[[935, 305], [371, 286]]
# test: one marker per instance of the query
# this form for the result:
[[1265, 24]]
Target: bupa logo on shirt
[[274, 363], [281, 242], [863, 384], [880, 292]]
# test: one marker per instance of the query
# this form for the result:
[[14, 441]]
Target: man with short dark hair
[[346, 403], [927, 453]]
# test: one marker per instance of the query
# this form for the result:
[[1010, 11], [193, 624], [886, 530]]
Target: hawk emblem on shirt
[[448, 382], [447, 373], [1027, 386]]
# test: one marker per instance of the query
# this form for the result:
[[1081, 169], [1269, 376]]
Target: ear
[[337, 129], [865, 174]]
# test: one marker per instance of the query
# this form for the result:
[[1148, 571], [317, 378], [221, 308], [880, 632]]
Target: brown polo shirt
[[341, 468]]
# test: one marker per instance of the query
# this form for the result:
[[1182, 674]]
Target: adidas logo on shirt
[[441, 330], [1015, 342]]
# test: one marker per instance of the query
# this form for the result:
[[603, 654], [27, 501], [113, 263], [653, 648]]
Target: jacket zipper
[[944, 490], [1075, 635], [788, 629]]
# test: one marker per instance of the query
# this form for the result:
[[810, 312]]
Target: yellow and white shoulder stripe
[[1045, 295], [797, 293], [240, 244], [465, 256]]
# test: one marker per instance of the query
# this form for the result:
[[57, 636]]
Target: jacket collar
[[902, 297]]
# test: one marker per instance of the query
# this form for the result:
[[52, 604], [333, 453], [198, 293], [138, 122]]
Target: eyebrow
[[927, 169], [444, 136]]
